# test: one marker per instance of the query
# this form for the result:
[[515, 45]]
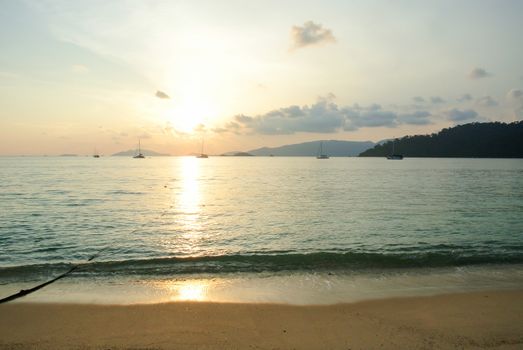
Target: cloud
[[144, 135], [418, 99], [357, 118], [457, 115], [486, 101], [168, 129], [161, 95], [321, 117], [436, 100], [200, 128], [415, 118], [515, 100], [464, 97], [324, 116], [229, 127], [515, 94], [310, 34], [478, 73]]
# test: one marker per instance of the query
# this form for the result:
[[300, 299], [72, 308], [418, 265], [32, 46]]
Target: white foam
[[293, 288]]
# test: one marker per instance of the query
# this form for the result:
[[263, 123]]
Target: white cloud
[[515, 94], [464, 97], [324, 116], [415, 118], [310, 34], [486, 101], [200, 128], [458, 115], [372, 117], [478, 73], [436, 100], [321, 117], [515, 100]]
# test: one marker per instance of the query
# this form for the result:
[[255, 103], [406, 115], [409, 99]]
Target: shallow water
[[166, 217]]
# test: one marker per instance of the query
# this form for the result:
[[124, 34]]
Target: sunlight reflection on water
[[187, 201]]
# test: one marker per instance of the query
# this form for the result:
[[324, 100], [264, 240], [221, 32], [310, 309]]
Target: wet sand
[[492, 320]]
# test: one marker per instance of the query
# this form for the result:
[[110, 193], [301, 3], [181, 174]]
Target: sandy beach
[[492, 320]]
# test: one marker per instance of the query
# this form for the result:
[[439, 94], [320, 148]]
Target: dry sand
[[492, 320]]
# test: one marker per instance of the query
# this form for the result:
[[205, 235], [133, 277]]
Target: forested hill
[[481, 140]]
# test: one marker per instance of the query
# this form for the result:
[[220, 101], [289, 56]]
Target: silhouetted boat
[[202, 155], [95, 154], [320, 154], [139, 155], [394, 156]]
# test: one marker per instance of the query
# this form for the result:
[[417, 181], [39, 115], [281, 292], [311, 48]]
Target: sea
[[258, 229]]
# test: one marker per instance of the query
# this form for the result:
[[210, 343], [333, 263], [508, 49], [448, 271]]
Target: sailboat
[[139, 155], [202, 155], [393, 155], [95, 154], [320, 154]]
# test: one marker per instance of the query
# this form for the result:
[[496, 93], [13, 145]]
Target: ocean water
[[255, 228]]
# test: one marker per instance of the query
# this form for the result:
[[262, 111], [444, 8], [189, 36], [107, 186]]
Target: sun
[[188, 114]]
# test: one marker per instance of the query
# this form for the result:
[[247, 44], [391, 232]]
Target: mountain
[[146, 152], [476, 140], [236, 154], [310, 149]]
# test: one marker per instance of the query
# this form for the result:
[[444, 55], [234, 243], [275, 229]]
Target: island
[[473, 140]]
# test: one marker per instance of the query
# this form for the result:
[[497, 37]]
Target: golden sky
[[80, 75]]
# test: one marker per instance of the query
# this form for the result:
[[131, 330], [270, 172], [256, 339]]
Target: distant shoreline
[[251, 156]]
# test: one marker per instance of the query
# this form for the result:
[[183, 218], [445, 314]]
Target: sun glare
[[191, 114], [187, 115], [191, 103]]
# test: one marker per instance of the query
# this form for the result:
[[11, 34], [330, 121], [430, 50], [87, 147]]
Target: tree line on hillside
[[475, 140]]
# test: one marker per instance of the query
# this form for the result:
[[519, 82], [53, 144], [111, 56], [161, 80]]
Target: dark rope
[[25, 292]]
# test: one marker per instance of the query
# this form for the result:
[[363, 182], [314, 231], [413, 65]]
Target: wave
[[254, 263], [124, 192]]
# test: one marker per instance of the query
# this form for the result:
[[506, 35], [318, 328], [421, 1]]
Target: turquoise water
[[161, 218]]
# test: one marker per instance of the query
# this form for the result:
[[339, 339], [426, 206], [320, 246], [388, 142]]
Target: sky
[[80, 76]]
